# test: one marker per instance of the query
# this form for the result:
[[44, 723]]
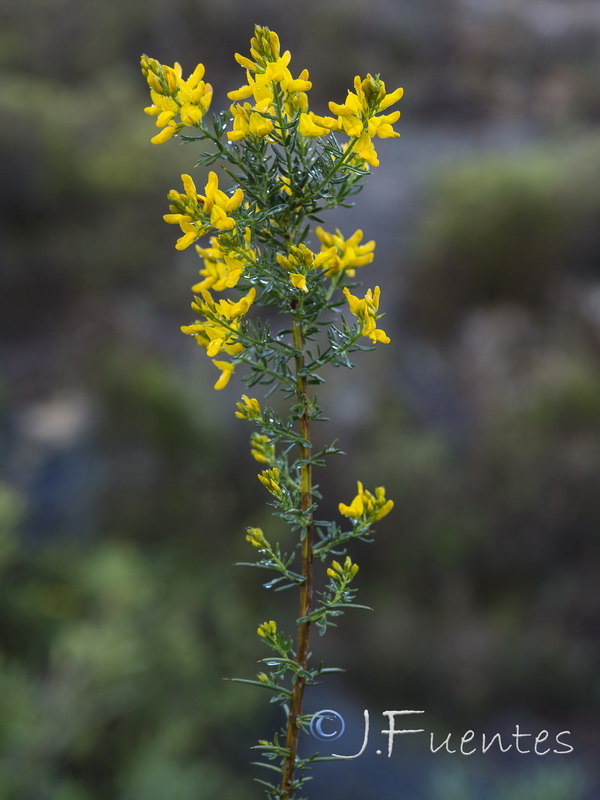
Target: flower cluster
[[301, 261], [266, 75], [342, 574], [256, 538], [225, 261], [267, 629], [249, 408], [172, 97], [367, 507], [366, 311], [357, 117], [198, 214], [349, 255], [270, 480], [220, 329], [262, 448]]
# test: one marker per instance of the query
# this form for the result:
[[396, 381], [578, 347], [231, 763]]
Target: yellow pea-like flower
[[366, 311], [256, 538], [270, 480], [349, 254], [173, 97], [226, 368], [262, 449], [196, 214], [366, 506], [309, 126], [357, 116], [354, 510], [249, 408], [267, 629], [299, 281]]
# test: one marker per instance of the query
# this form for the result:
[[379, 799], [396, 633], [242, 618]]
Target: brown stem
[[306, 590]]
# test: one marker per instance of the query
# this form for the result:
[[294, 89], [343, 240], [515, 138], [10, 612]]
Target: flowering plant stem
[[287, 166], [306, 589]]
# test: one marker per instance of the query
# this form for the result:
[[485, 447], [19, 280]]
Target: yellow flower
[[299, 281], [313, 126], [248, 122], [226, 368], [382, 126], [349, 255], [225, 261], [294, 102], [350, 115], [262, 448], [341, 573], [267, 629], [196, 214], [356, 508], [366, 311], [264, 46], [226, 309], [249, 408], [223, 320], [261, 83], [256, 538], [270, 480], [390, 99], [219, 205], [285, 181], [267, 76], [172, 96], [357, 116], [301, 260], [382, 505], [167, 132], [214, 338], [365, 150], [366, 506], [350, 567]]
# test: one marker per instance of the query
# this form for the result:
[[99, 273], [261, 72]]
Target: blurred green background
[[127, 481]]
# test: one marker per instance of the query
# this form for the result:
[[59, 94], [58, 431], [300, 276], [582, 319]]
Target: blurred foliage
[[490, 560], [157, 446], [505, 230], [80, 175], [112, 663]]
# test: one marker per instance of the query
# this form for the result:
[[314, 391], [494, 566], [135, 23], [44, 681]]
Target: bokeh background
[[126, 480]]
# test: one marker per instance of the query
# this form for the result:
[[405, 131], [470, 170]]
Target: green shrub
[[505, 230]]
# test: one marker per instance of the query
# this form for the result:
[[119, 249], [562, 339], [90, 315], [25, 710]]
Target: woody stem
[[306, 589]]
